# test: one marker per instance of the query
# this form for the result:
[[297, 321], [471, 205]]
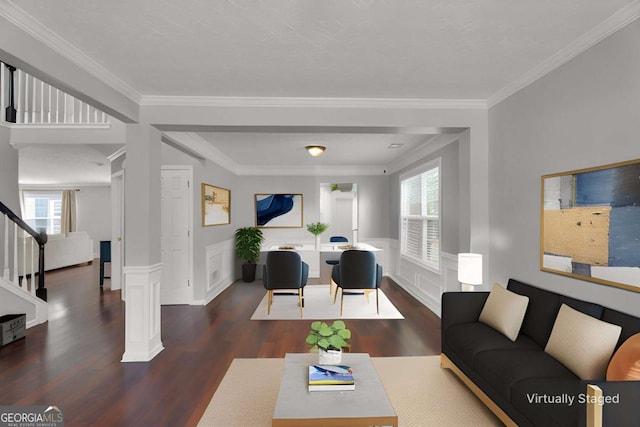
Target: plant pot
[[329, 357], [318, 242], [249, 272]]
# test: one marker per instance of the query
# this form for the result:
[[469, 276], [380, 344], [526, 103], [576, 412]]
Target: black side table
[[105, 256]]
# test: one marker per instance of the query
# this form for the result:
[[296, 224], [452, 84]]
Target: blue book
[[331, 378]]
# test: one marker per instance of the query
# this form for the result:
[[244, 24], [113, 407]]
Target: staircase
[[27, 100], [21, 293]]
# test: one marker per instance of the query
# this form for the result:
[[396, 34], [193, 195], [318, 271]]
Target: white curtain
[[68, 218]]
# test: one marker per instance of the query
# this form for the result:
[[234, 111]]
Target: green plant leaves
[[328, 337], [247, 242]]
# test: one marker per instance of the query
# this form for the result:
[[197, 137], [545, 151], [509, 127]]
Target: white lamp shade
[[470, 269]]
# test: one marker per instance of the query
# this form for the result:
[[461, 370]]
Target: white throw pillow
[[504, 311], [582, 343]]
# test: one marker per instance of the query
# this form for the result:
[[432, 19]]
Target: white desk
[[332, 251], [317, 258]]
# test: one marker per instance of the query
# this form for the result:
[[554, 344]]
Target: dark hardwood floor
[[73, 361]]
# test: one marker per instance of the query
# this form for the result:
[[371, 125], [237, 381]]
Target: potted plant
[[328, 340], [248, 242], [317, 228]]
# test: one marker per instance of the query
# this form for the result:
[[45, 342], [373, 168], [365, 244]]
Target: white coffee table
[[367, 405]]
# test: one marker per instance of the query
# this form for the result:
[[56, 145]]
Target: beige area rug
[[422, 394], [318, 304]]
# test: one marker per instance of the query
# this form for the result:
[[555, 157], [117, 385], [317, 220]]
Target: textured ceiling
[[394, 49], [427, 49]]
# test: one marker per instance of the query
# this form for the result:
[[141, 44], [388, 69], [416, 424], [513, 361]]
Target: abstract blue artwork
[[279, 210], [590, 225]]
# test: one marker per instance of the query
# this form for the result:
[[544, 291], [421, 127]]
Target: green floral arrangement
[[326, 337], [317, 228]]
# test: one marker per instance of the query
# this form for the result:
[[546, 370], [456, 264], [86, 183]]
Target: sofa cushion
[[503, 368], [582, 343], [469, 339], [547, 401], [541, 313], [504, 311]]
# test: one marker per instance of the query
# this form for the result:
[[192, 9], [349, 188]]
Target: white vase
[[329, 357], [318, 242]]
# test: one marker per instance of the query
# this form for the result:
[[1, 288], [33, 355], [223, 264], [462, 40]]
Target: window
[[420, 215], [43, 210]]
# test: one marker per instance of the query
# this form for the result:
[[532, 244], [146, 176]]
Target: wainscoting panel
[[219, 270], [424, 284]]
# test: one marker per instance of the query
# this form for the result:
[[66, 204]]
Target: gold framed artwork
[[590, 224], [278, 210], [216, 205]]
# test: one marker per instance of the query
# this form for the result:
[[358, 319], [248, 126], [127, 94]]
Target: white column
[[143, 269], [142, 313]]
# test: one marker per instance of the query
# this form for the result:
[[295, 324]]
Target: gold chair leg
[[341, 301], [377, 301], [335, 294], [366, 294], [300, 300], [269, 299]]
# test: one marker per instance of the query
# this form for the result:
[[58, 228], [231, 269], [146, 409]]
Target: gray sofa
[[508, 375]]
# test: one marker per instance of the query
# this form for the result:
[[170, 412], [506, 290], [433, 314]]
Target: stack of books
[[331, 378]]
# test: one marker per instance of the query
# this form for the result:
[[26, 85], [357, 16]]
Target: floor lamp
[[469, 271]]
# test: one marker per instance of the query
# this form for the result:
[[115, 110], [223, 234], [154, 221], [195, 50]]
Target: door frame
[[189, 170], [117, 231]]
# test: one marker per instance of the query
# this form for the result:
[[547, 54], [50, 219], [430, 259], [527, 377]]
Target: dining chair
[[336, 239], [358, 270], [284, 270]]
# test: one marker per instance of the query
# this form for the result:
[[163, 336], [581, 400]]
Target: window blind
[[420, 216]]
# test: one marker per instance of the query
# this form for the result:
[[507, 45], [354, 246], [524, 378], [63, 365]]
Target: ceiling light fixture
[[395, 145], [315, 150]]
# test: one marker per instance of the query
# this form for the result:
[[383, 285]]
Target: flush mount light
[[395, 145], [315, 150]]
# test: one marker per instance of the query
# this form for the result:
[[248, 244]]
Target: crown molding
[[434, 144], [42, 33], [254, 170], [615, 22], [280, 102], [120, 152]]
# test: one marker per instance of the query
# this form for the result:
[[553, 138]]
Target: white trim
[[434, 144], [120, 152], [427, 166], [142, 313], [615, 22], [283, 102], [32, 126], [21, 19]]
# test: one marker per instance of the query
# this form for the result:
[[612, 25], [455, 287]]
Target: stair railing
[[20, 276], [27, 100]]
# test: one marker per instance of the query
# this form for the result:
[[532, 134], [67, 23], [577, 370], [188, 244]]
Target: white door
[[117, 227], [175, 214]]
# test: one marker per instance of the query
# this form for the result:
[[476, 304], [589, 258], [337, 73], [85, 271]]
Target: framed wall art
[[278, 210], [216, 205], [590, 224]]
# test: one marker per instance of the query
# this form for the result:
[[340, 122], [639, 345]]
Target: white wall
[[584, 114], [94, 214]]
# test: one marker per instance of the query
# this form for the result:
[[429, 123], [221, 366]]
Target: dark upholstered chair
[[336, 239], [357, 270], [284, 270]]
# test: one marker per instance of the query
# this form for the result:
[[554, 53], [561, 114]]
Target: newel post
[[11, 113], [41, 290]]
